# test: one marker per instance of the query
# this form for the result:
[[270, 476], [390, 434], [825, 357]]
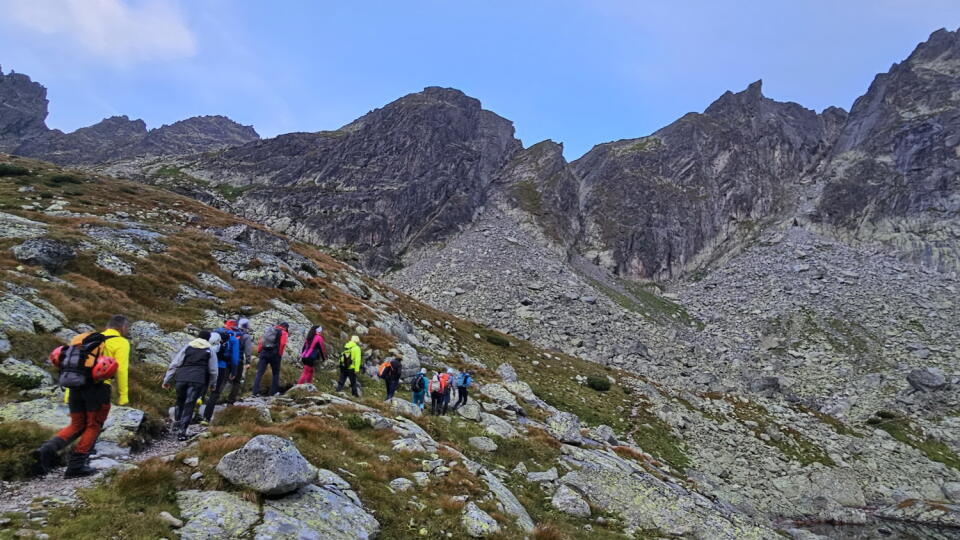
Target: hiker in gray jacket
[[194, 368]]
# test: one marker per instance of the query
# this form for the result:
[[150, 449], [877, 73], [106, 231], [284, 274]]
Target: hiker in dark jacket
[[271, 347], [193, 368], [393, 372], [464, 380], [419, 387]]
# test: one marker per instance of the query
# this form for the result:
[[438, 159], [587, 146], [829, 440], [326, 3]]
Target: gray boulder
[[50, 254], [470, 411], [12, 226], [928, 379], [497, 426], [212, 515], [548, 475], [951, 490], [316, 512], [478, 523], [402, 406], [484, 444], [153, 345], [570, 502], [401, 484], [24, 374], [499, 394], [267, 464], [507, 373], [565, 427], [509, 501], [121, 430], [19, 315]]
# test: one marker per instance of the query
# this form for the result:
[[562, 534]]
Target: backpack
[[418, 383], [228, 340], [382, 369], [77, 360], [271, 340], [346, 360], [464, 380]]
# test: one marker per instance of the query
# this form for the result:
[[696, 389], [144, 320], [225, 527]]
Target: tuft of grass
[[496, 339], [127, 507], [17, 441], [236, 414], [548, 531], [7, 169], [901, 429], [356, 422], [64, 178], [600, 384]]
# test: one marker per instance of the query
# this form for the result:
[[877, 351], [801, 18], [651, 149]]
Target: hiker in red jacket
[[270, 350], [313, 349]]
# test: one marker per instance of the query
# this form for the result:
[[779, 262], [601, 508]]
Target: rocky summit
[[739, 326]]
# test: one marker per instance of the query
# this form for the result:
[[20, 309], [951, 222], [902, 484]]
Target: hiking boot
[[46, 457], [182, 437], [77, 466]]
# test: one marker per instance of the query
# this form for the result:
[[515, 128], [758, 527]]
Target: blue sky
[[578, 72]]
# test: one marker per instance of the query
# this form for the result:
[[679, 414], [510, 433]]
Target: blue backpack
[[464, 380], [229, 353]]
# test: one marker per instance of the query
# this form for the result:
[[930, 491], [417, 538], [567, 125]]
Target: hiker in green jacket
[[350, 361]]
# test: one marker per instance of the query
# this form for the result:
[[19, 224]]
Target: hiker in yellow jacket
[[119, 350], [350, 361], [89, 404]]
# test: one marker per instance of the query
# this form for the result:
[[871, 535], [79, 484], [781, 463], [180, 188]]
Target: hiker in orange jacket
[[270, 350]]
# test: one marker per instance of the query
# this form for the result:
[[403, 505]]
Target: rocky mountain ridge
[[23, 131]]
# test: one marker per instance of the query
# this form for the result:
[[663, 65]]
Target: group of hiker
[[200, 371]]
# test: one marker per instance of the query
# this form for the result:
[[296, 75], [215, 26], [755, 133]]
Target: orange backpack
[[383, 368]]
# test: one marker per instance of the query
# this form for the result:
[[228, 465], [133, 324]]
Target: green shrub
[[59, 179], [356, 422], [600, 384], [888, 415], [497, 340], [17, 441], [13, 170]]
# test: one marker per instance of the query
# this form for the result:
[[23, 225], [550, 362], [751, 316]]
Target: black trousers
[[436, 402], [222, 375], [392, 385], [187, 395], [347, 373], [462, 395], [237, 385], [271, 359]]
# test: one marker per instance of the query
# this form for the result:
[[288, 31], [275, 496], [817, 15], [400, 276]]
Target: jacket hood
[[200, 344], [214, 339], [351, 345]]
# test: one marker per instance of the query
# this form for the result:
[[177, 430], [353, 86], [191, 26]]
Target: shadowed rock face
[[894, 173], [23, 109], [412, 172], [118, 137], [652, 204]]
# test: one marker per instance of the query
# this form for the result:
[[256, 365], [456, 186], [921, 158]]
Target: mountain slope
[[892, 177], [23, 110], [409, 173]]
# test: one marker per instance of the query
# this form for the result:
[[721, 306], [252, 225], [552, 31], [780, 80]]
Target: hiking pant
[[347, 373], [392, 385], [436, 402], [187, 394], [306, 377], [445, 401], [462, 395], [222, 375], [89, 407], [272, 359], [237, 386], [418, 398]]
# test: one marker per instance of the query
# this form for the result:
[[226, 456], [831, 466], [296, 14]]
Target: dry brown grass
[[548, 531]]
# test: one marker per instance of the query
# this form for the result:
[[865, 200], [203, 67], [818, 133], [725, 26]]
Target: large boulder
[[507, 373], [484, 444], [12, 226], [497, 426], [50, 254], [570, 502], [212, 515], [316, 512], [565, 427], [24, 374], [470, 411], [402, 406], [267, 464], [19, 315], [478, 523], [928, 379], [511, 505], [155, 346], [499, 394]]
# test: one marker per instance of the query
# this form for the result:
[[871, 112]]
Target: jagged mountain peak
[[751, 95]]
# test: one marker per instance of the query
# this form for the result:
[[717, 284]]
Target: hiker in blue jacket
[[464, 380], [228, 364]]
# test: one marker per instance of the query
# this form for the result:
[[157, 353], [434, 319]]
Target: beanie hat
[[355, 339], [204, 335], [244, 323]]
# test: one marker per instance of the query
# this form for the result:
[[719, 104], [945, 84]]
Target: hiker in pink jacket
[[313, 350]]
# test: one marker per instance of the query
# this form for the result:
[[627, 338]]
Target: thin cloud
[[114, 30]]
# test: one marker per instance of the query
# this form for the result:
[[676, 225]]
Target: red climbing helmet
[[55, 355], [104, 368]]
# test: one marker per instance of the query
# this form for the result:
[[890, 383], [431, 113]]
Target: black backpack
[[346, 361], [418, 384], [77, 360]]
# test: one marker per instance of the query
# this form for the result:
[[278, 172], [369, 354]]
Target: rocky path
[[19, 496]]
